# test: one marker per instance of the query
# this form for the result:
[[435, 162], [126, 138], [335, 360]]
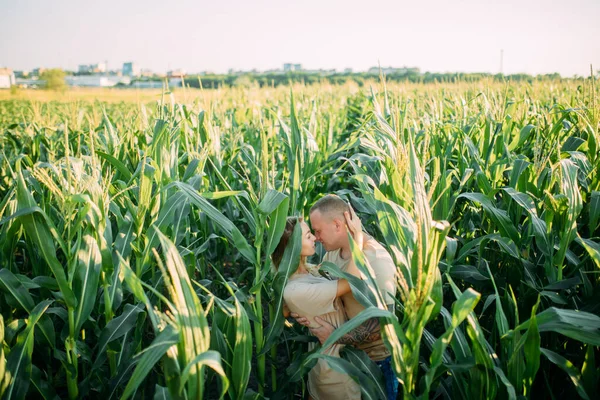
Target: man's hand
[[323, 331], [368, 331]]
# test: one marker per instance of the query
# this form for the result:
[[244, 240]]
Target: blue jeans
[[391, 383]]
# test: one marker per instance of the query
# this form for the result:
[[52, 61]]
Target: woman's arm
[[343, 287], [354, 226]]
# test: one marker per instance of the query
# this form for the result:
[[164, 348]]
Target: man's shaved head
[[328, 222], [330, 206]]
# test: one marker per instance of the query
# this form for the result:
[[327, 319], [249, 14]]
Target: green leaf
[[38, 232], [272, 200], [578, 325], [531, 349], [45, 389], [277, 223], [149, 356], [242, 353], [239, 364], [287, 266], [501, 320], [37, 210], [589, 372], [228, 227], [594, 210], [209, 358], [161, 393], [539, 225], [461, 309], [360, 289], [570, 189], [361, 360], [3, 378], [117, 328], [500, 217], [469, 273], [126, 175], [18, 362], [353, 323], [365, 269], [569, 368], [85, 279], [591, 247], [512, 395], [224, 193], [11, 284], [190, 318], [371, 389], [124, 238]]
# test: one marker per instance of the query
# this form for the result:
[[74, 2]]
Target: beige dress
[[312, 295], [384, 269]]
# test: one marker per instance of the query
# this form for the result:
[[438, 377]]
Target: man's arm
[[366, 332]]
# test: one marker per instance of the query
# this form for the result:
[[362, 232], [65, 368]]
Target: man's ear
[[339, 224]]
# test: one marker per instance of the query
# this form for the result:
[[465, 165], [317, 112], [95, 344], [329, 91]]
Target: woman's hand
[[354, 226]]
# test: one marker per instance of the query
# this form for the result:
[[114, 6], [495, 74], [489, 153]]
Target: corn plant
[[135, 238]]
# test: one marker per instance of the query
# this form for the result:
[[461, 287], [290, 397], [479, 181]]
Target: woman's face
[[308, 241]]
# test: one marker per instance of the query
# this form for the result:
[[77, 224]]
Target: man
[[329, 226]]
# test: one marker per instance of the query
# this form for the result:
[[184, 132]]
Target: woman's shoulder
[[296, 286]]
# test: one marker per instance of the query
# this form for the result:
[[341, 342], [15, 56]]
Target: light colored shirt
[[384, 270], [311, 296]]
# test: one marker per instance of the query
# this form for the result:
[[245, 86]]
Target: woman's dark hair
[[277, 255]]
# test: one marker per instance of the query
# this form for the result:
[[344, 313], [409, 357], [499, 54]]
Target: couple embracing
[[323, 304]]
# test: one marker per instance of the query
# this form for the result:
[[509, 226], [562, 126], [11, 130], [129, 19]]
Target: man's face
[[326, 230]]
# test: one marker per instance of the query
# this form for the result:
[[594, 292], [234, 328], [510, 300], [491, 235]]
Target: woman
[[309, 294]]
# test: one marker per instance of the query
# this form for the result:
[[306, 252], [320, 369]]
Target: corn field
[[135, 239]]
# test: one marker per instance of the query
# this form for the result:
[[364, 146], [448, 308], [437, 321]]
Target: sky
[[536, 36]]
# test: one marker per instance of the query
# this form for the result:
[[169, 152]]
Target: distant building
[[292, 67], [145, 72], [29, 83], [99, 68], [7, 78], [96, 81], [38, 71], [147, 84], [175, 82], [131, 69], [393, 70], [176, 73], [322, 72], [274, 71], [22, 74]]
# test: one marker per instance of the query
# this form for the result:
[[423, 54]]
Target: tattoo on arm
[[366, 332]]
